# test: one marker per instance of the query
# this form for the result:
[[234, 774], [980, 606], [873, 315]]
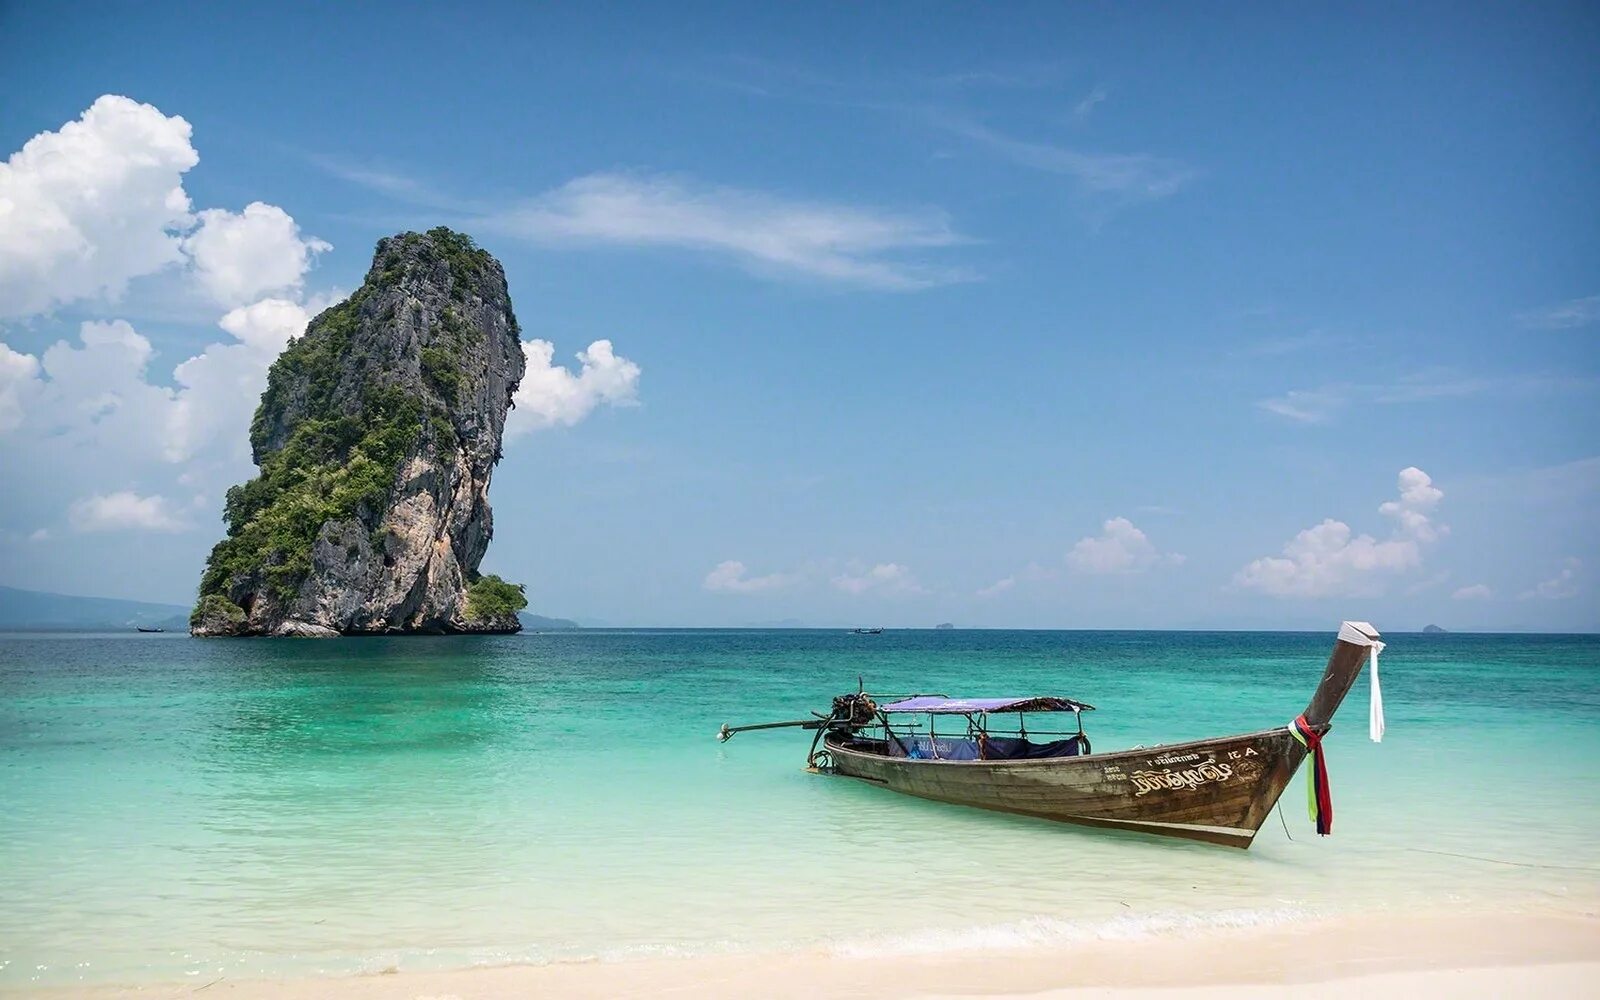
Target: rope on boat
[[1501, 861]]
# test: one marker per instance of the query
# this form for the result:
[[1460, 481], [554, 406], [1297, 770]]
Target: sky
[[1044, 316]]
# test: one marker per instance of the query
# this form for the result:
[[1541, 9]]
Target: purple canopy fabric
[[937, 705]]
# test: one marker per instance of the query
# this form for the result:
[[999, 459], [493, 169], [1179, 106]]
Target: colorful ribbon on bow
[[1319, 800]]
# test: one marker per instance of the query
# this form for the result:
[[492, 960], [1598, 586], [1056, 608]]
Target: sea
[[182, 810]]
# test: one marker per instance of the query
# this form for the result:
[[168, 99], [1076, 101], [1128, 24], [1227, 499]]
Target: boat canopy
[[939, 705]]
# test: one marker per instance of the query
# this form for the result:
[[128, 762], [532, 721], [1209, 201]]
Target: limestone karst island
[[376, 438]]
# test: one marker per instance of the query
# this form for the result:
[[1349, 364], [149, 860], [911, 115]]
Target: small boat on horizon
[[1216, 790], [866, 631], [141, 628]]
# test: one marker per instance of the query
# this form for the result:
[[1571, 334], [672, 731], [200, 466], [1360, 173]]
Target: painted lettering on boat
[[1168, 758], [1191, 777]]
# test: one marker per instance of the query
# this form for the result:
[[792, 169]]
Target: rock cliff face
[[375, 439]]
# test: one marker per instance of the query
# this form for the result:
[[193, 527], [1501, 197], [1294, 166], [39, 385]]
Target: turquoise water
[[180, 809]]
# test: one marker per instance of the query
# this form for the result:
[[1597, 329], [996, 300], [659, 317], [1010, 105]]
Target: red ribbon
[[1321, 796]]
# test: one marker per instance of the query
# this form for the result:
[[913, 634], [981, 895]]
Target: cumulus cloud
[[551, 395], [1119, 548], [90, 207], [884, 578], [95, 393], [239, 257], [219, 387], [1418, 498], [731, 577], [1476, 592], [1331, 560], [123, 511], [19, 375], [85, 209], [819, 240], [1563, 584], [98, 395]]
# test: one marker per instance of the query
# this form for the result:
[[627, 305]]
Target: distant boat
[[866, 631], [141, 628], [1217, 790]]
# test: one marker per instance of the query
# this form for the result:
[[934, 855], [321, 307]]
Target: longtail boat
[[1217, 790]]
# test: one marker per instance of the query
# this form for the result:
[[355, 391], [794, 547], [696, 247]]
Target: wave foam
[[1037, 932]]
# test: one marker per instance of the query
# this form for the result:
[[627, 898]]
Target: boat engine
[[854, 710]]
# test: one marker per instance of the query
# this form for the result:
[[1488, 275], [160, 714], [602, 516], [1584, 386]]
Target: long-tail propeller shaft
[[727, 732]]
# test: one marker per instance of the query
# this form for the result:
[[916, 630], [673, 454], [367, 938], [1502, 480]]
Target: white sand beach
[[1393, 955]]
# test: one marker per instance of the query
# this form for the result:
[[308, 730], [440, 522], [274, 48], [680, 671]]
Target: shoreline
[[1480, 953]]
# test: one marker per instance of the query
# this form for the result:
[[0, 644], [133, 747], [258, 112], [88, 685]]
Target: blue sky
[[1033, 316]]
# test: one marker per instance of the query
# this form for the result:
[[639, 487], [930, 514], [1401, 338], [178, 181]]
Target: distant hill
[[541, 623], [33, 609], [1433, 629]]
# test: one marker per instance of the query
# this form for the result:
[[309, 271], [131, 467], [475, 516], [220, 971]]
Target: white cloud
[[96, 394], [99, 395], [123, 511], [87, 208], [729, 577], [219, 387], [1476, 592], [1117, 177], [239, 257], [267, 326], [1563, 316], [90, 207], [998, 587], [884, 578], [1331, 560], [551, 395], [1031, 573], [1323, 404], [1563, 584], [1418, 497], [1085, 107], [1308, 406], [1119, 548], [19, 375], [843, 243]]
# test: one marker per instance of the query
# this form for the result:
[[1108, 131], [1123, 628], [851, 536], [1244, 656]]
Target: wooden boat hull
[[1216, 790]]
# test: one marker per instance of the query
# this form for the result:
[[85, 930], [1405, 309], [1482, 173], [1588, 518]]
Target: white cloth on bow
[[1363, 634]]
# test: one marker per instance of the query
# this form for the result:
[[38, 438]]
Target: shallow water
[[179, 808]]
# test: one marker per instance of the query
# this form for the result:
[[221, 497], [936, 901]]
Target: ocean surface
[[184, 810]]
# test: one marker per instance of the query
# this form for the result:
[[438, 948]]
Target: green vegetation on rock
[[332, 468], [215, 607], [439, 370], [491, 597]]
